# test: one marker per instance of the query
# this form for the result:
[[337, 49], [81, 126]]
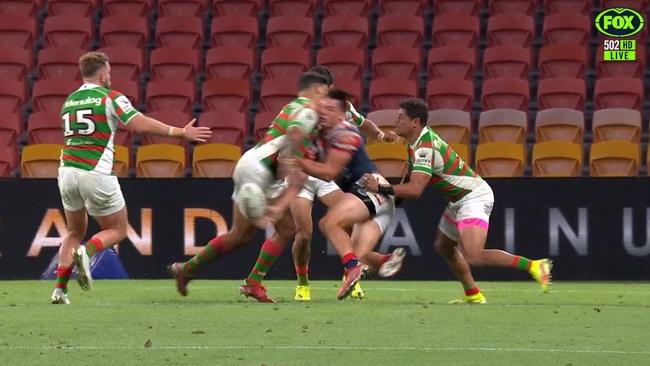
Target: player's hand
[[198, 134], [372, 184], [390, 137]]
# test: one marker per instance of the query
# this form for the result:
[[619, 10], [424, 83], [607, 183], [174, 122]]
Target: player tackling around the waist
[[462, 230]]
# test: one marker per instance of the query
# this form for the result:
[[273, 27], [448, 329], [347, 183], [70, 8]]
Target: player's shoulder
[[347, 127]]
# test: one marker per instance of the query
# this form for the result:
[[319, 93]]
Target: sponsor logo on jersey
[[79, 102], [423, 156], [124, 103]]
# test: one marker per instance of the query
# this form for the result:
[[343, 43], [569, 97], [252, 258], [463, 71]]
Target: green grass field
[[400, 323]]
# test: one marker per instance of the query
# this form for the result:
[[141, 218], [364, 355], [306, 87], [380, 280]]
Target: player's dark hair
[[308, 79], [340, 96], [323, 70], [416, 108]]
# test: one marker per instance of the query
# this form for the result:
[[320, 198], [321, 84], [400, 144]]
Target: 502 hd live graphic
[[618, 25]]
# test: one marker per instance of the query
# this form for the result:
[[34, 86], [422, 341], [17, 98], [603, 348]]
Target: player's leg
[[472, 224], [76, 222], [350, 210], [301, 210], [240, 233], [448, 249]]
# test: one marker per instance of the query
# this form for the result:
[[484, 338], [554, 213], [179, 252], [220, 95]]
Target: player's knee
[[303, 236], [474, 258], [327, 223]]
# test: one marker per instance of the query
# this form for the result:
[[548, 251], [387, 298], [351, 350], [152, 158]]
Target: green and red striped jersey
[[90, 116], [296, 114], [450, 175]]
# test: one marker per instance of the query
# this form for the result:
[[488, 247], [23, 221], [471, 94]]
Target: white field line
[[325, 348]]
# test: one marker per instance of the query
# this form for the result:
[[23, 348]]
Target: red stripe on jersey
[[447, 155], [99, 117], [80, 160], [85, 148], [453, 166], [464, 169], [101, 135]]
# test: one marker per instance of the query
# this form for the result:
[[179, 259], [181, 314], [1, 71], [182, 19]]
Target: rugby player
[[288, 135], [463, 228], [90, 118]]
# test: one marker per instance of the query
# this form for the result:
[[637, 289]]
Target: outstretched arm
[[412, 189], [143, 124]]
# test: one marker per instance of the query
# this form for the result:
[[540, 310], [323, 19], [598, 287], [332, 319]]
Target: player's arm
[[419, 176], [336, 160], [143, 124]]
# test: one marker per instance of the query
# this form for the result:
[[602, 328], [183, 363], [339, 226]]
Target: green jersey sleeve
[[122, 106], [354, 116]]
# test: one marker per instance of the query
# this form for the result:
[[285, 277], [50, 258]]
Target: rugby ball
[[251, 201]]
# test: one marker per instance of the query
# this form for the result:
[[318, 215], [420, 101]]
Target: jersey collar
[[424, 131], [86, 86]]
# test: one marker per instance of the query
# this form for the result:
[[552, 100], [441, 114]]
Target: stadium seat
[[179, 31], [281, 62], [262, 122], [561, 93], [456, 30], [226, 95], [215, 160], [20, 7], [406, 7], [469, 7], [511, 29], [44, 128], [352, 87], [193, 8], [512, 6], [631, 69], [12, 95], [345, 31], [617, 124], [179, 63], [506, 61], [640, 5], [389, 158], [343, 62], [170, 117], [290, 31], [249, 8], [456, 62], [500, 159], [557, 159], [507, 125], [559, 124], [7, 160], [137, 8], [618, 92], [126, 62], [59, 62], [123, 136], [567, 6], [10, 129], [73, 31], [228, 127], [49, 94], [450, 93], [17, 31], [452, 125], [234, 31], [15, 63], [387, 93], [400, 30], [396, 62], [275, 93], [347, 7], [567, 28], [74, 7], [40, 161], [614, 159], [297, 8], [160, 161], [122, 161], [384, 119], [124, 30], [229, 63], [562, 60], [505, 93], [170, 94], [130, 89]]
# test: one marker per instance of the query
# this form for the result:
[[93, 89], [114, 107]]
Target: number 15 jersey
[[90, 118]]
